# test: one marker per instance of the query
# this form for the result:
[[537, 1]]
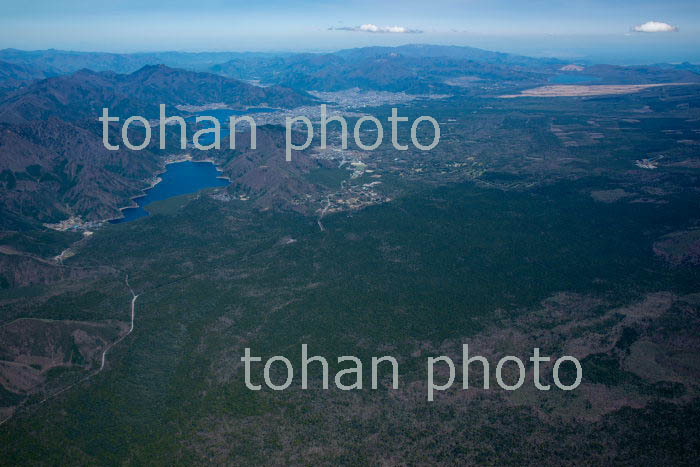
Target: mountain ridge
[[84, 93]]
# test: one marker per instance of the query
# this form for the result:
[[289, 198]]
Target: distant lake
[[178, 179], [222, 115], [573, 79]]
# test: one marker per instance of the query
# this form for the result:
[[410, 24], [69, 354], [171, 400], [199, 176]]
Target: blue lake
[[179, 178], [222, 115]]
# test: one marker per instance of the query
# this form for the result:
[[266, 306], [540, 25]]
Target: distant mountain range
[[415, 68], [62, 61], [84, 93]]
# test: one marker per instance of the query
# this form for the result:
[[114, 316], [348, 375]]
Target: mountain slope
[[55, 169], [13, 76]]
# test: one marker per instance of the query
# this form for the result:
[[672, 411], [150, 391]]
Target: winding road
[[131, 328], [323, 213], [134, 296]]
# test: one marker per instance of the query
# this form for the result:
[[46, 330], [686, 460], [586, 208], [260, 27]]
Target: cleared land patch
[[573, 90]]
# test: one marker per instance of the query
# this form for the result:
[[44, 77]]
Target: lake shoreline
[[156, 180]]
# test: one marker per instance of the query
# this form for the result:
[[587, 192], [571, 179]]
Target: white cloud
[[655, 26], [373, 28]]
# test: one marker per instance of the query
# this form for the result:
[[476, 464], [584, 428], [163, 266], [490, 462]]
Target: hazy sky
[[574, 28]]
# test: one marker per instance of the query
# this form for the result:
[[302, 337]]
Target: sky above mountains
[[623, 31]]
